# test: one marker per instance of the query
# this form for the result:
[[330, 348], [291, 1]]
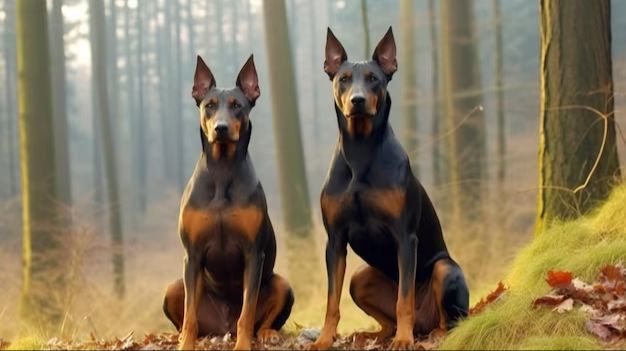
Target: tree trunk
[[462, 99], [141, 167], [291, 173], [9, 56], [578, 161], [43, 258], [366, 30], [101, 98], [114, 94], [437, 161], [409, 81], [163, 65], [499, 74], [59, 111], [178, 108]]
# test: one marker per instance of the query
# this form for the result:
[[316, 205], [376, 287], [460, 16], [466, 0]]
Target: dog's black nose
[[358, 100], [221, 128]]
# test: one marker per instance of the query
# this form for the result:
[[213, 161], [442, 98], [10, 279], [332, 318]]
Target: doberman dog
[[228, 283], [372, 201]]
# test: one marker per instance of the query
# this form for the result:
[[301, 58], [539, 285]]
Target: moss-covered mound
[[582, 247]]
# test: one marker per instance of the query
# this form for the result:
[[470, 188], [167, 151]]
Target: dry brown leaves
[[604, 301], [4, 344], [490, 298], [169, 341]]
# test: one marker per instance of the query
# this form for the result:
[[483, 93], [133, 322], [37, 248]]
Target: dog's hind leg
[[451, 293], [376, 295], [273, 309]]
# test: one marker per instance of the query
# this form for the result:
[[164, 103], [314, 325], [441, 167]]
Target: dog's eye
[[343, 79], [371, 78], [236, 105], [210, 105]]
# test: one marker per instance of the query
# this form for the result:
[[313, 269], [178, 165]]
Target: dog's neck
[[357, 150], [228, 175]]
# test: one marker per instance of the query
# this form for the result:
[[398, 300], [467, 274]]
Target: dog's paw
[[268, 336], [320, 345], [402, 344]]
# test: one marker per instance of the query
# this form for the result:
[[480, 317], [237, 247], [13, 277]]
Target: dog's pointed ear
[[335, 54], [203, 81], [385, 54], [248, 81]]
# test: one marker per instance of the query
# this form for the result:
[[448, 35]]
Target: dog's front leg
[[251, 285], [193, 291], [405, 305], [336, 269]]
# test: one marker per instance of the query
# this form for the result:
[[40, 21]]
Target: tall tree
[[9, 57], [141, 166], [291, 172], [578, 160], [114, 94], [499, 74], [176, 94], [366, 29], [59, 110], [462, 99], [101, 98], [435, 95], [409, 80], [42, 256]]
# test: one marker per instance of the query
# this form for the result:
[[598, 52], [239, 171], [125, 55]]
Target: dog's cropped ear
[[248, 81], [335, 54], [385, 54], [203, 81]]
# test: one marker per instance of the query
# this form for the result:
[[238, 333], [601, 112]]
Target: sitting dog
[[372, 201], [228, 283]]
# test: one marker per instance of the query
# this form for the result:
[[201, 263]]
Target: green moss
[[582, 246]]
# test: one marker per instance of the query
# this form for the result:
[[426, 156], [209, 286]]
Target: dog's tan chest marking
[[243, 220], [389, 202]]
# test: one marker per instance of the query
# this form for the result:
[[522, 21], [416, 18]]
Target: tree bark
[[499, 74], [366, 30], [178, 108], [291, 173], [576, 110], [59, 111], [42, 254], [101, 98], [466, 151], [409, 81], [437, 161], [10, 77], [142, 150]]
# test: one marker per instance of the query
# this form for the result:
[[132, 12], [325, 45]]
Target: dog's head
[[224, 113], [360, 88]]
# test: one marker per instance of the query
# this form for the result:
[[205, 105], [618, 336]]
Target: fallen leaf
[[565, 306], [598, 329], [548, 300], [559, 279], [490, 298]]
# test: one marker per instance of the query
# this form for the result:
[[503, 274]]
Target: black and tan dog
[[372, 200], [228, 283]]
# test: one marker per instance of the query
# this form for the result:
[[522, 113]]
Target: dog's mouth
[[359, 115]]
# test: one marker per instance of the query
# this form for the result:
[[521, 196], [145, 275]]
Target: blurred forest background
[[125, 139]]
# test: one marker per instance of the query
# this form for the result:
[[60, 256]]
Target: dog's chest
[[360, 206], [223, 234]]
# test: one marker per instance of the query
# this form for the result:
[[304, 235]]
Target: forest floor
[[565, 290]]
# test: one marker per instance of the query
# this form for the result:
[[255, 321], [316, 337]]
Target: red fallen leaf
[[491, 297], [548, 300], [559, 279]]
